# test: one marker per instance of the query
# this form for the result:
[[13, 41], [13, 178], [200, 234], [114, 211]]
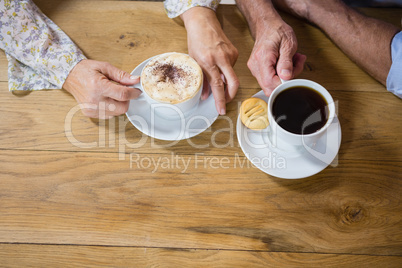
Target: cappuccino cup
[[299, 111], [172, 83]]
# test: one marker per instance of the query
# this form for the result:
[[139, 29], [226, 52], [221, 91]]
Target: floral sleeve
[[175, 8], [40, 54]]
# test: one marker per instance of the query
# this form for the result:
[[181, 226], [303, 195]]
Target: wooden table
[[67, 205]]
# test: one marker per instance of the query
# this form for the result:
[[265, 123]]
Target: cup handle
[[138, 86]]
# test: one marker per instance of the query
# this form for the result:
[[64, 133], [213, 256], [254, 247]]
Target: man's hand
[[209, 46], [101, 89], [274, 54]]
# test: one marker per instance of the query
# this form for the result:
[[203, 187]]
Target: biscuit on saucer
[[253, 113]]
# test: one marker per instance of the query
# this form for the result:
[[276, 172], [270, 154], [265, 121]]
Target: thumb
[[284, 67], [118, 75]]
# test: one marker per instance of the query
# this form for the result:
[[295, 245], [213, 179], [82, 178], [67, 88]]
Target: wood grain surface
[[366, 119], [81, 192], [95, 199], [96, 256]]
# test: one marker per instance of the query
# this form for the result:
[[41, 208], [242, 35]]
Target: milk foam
[[171, 78]]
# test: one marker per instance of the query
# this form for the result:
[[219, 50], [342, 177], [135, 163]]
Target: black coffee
[[300, 110]]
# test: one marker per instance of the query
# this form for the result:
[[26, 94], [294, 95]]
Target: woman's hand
[[209, 46], [101, 89]]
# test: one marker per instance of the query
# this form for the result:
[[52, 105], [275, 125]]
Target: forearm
[[175, 8], [37, 45], [259, 14], [201, 17], [367, 41]]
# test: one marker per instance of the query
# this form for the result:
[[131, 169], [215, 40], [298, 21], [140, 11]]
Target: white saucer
[[197, 121], [295, 163]]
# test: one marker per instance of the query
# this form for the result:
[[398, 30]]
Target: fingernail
[[133, 77], [285, 72], [223, 112]]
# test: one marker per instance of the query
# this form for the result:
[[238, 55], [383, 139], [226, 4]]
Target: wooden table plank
[[371, 124], [72, 256], [96, 199]]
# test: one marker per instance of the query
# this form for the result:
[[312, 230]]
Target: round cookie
[[253, 113]]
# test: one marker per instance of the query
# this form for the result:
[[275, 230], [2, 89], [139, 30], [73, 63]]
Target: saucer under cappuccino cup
[[299, 112], [172, 83]]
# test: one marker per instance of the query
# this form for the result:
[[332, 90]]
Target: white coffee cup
[[173, 111], [286, 140]]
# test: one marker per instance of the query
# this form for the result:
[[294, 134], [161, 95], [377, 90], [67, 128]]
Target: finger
[[96, 110], [108, 108], [287, 50], [118, 75], [275, 81], [285, 66], [298, 60], [118, 92], [268, 80], [217, 88], [114, 108], [91, 113], [205, 88], [231, 80], [263, 70]]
